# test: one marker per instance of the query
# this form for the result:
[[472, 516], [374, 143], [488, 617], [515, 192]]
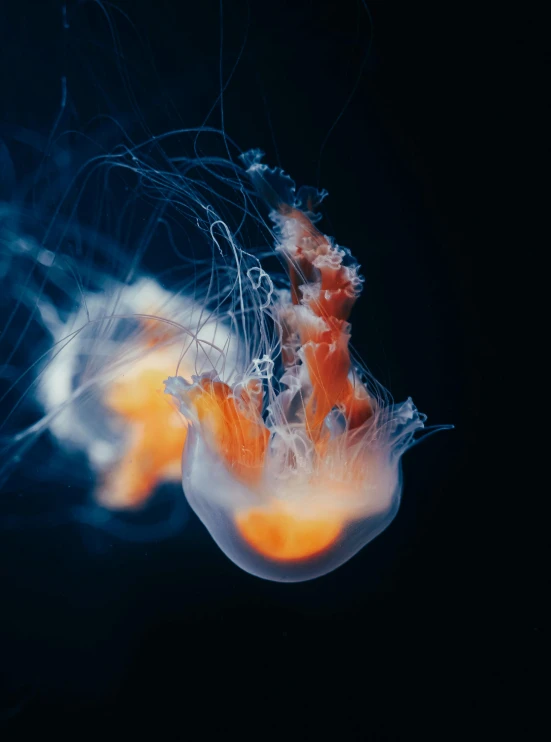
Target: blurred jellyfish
[[89, 337], [131, 436], [293, 476]]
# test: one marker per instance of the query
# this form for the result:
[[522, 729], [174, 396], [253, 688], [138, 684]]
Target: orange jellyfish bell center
[[284, 537]]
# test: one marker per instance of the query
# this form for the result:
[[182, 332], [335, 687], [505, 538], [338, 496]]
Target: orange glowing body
[[287, 537], [233, 425], [155, 433], [293, 477]]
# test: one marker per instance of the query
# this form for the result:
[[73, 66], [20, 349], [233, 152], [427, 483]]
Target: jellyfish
[[295, 466], [287, 448], [129, 431]]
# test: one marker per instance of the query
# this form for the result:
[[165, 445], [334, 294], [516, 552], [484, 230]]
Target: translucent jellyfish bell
[[292, 526], [293, 476]]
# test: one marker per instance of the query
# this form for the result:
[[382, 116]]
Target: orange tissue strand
[[356, 405], [314, 259], [326, 354], [253, 394], [310, 242], [282, 536], [329, 290], [233, 424], [156, 437], [328, 367], [333, 303]]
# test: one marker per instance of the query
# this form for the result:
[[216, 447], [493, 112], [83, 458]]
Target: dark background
[[430, 627]]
